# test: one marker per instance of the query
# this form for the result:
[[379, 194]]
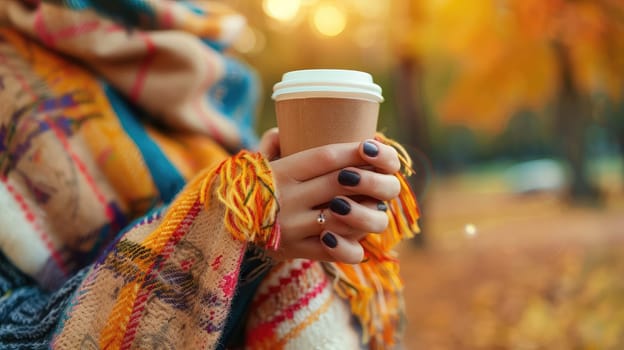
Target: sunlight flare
[[329, 20], [281, 10]]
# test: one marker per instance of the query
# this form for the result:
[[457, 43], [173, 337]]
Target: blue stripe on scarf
[[167, 178], [235, 96]]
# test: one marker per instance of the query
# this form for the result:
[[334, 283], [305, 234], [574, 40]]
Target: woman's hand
[[326, 180]]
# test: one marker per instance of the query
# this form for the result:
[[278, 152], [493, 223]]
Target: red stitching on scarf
[[74, 30], [167, 16], [139, 81], [82, 168], [28, 214], [264, 330], [42, 29], [144, 293], [295, 273], [30, 217]]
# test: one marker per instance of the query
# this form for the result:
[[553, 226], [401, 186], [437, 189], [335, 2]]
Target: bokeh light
[[471, 230], [250, 41], [329, 20], [281, 10]]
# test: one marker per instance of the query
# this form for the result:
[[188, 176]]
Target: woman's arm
[[176, 273]]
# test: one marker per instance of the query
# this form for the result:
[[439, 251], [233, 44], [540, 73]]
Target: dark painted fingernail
[[330, 240], [348, 178], [381, 206], [340, 206], [370, 149]]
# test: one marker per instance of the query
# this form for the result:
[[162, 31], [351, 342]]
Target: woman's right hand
[[327, 178]]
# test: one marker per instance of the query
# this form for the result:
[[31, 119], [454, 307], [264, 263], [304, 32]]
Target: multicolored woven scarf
[[118, 119]]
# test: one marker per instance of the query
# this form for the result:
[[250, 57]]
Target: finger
[[369, 183], [338, 227], [309, 223], [350, 182], [383, 157], [308, 248], [309, 226], [321, 160], [356, 216], [269, 144], [350, 232], [342, 249]]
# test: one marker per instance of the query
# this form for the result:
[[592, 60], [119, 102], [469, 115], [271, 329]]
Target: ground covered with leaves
[[509, 271]]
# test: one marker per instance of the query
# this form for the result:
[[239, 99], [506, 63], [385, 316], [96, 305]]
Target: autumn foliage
[[507, 53]]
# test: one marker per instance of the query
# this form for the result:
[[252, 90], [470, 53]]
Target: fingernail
[[370, 149], [330, 240], [381, 206], [348, 178], [340, 206]]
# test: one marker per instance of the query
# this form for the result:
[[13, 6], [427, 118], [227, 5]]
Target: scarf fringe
[[374, 287], [245, 186]]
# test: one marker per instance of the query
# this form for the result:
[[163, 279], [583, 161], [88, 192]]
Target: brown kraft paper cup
[[315, 115], [311, 122]]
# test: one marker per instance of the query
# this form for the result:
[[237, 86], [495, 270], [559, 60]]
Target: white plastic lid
[[338, 83]]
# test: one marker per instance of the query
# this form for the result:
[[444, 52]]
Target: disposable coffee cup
[[316, 107]]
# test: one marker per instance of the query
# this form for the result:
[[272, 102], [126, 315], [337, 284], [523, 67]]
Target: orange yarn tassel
[[373, 287], [245, 186]]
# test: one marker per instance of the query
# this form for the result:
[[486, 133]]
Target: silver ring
[[321, 218]]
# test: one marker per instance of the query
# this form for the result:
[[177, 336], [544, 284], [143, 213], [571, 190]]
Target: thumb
[[269, 144]]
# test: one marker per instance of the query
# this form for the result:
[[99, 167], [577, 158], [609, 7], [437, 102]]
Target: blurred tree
[[412, 118], [512, 55]]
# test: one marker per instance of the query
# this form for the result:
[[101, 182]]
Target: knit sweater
[[128, 216]]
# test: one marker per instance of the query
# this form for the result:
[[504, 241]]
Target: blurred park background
[[513, 111]]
